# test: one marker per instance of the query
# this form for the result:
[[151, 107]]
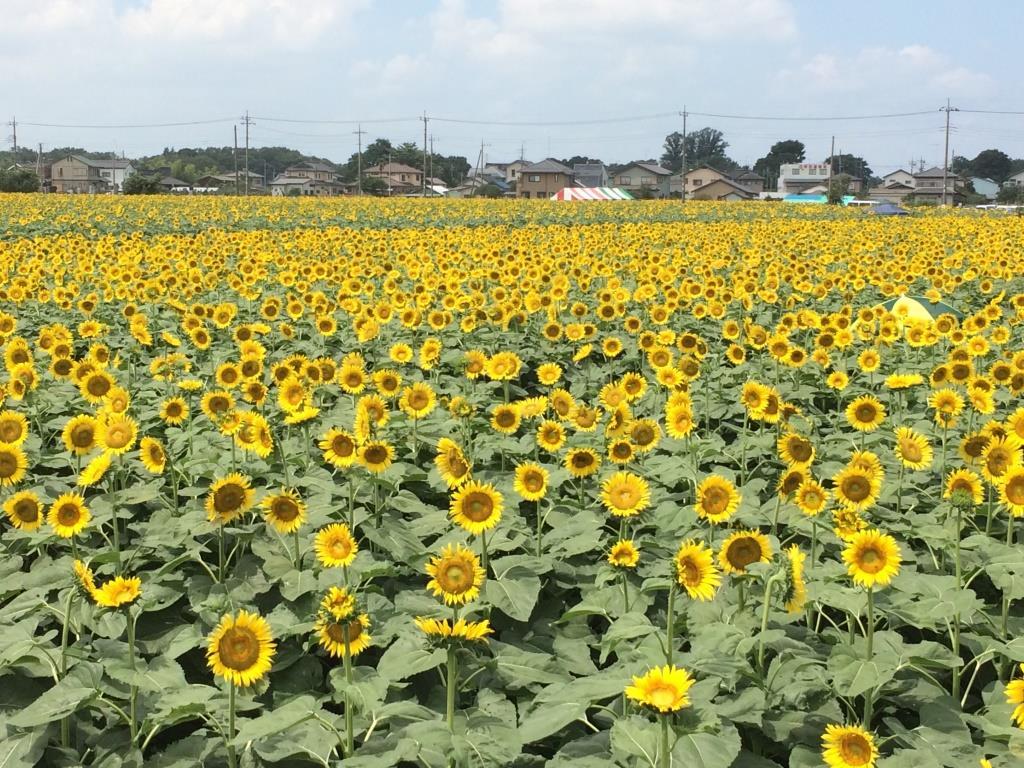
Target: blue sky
[[118, 62]]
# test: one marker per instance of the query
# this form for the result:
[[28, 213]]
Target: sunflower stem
[[485, 561], [451, 685], [899, 489], [298, 551], [625, 592], [349, 720], [111, 492], [664, 756], [220, 553], [133, 691], [775, 514], [230, 739], [540, 531], [668, 623], [869, 697], [769, 585], [65, 723]]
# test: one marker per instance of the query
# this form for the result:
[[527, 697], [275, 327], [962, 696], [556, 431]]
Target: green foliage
[[138, 184], [18, 180], [781, 153]]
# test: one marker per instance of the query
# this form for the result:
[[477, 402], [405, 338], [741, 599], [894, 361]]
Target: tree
[[992, 164], [672, 157], [851, 164], [372, 185], [409, 154], [707, 146], [781, 153], [961, 166], [137, 184], [18, 180], [579, 160], [489, 190], [1011, 195], [838, 187]]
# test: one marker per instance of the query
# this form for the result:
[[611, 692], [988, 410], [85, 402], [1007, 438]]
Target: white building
[[114, 172], [795, 178]]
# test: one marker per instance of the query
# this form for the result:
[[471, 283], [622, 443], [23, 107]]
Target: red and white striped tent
[[592, 193]]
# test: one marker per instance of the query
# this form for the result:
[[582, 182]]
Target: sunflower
[[912, 449], [339, 448], [964, 481], [848, 746], [1000, 456], [548, 374], [505, 419], [79, 434], [476, 507], [68, 515], [462, 630], [717, 499], [285, 510], [531, 481], [117, 433], [624, 554], [387, 381], [1015, 695], [95, 386], [679, 421], [418, 400], [229, 498], [856, 487], [795, 449], [174, 410], [376, 456], [13, 427], [582, 462], [217, 404], [1011, 490], [455, 575], [333, 635], [118, 592], [847, 522], [95, 470], [872, 558], [645, 434], [13, 464], [620, 452], [86, 578], [796, 589], [334, 546], [152, 455], [550, 436], [866, 413], [663, 689], [339, 603], [811, 497], [743, 548], [24, 510], [754, 397], [451, 463], [625, 494], [837, 380], [972, 447], [947, 404], [903, 380], [696, 571], [240, 649]]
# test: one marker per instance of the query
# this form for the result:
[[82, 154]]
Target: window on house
[[533, 177], [795, 172], [526, 194], [648, 180], [698, 182], [625, 180]]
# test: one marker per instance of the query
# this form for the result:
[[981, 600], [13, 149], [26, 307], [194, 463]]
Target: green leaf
[[277, 720], [58, 702], [550, 718], [515, 596], [636, 737], [517, 667], [707, 750], [407, 657]]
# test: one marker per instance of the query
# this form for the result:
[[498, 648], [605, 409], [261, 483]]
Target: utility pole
[[14, 131], [235, 158], [39, 166], [388, 171], [831, 158], [477, 171], [359, 159], [682, 177], [945, 157], [424, 119], [247, 122], [430, 157]]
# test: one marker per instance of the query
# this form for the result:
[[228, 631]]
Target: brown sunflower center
[[26, 510], [998, 461], [229, 498], [911, 451], [871, 560], [856, 488], [83, 436], [342, 445], [478, 507], [68, 514], [10, 431], [340, 547], [8, 464], [285, 509], [376, 454], [533, 481], [661, 696], [642, 434], [743, 552], [219, 404], [690, 573], [505, 418], [855, 749], [582, 460], [350, 629], [418, 400], [1015, 490], [865, 413], [454, 577], [800, 449], [239, 649], [117, 436], [98, 386], [174, 410], [715, 500]]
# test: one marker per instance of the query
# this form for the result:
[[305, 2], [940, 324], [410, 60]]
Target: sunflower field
[[388, 482]]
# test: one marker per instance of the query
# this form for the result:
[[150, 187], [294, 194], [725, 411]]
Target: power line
[[135, 125], [813, 118], [338, 122]]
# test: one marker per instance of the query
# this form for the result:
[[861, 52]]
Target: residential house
[[898, 177], [893, 192], [796, 178], [928, 186], [750, 180], [308, 177], [1017, 180], [399, 177], [510, 171], [75, 174], [115, 172], [696, 178], [473, 185], [312, 169], [643, 179], [590, 174], [222, 181], [542, 180], [40, 169], [722, 189], [172, 184]]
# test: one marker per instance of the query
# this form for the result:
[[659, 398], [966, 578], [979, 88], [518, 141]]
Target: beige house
[[542, 180], [898, 177], [928, 186], [891, 193], [721, 189], [77, 175], [1017, 180], [399, 177], [509, 170], [311, 169]]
